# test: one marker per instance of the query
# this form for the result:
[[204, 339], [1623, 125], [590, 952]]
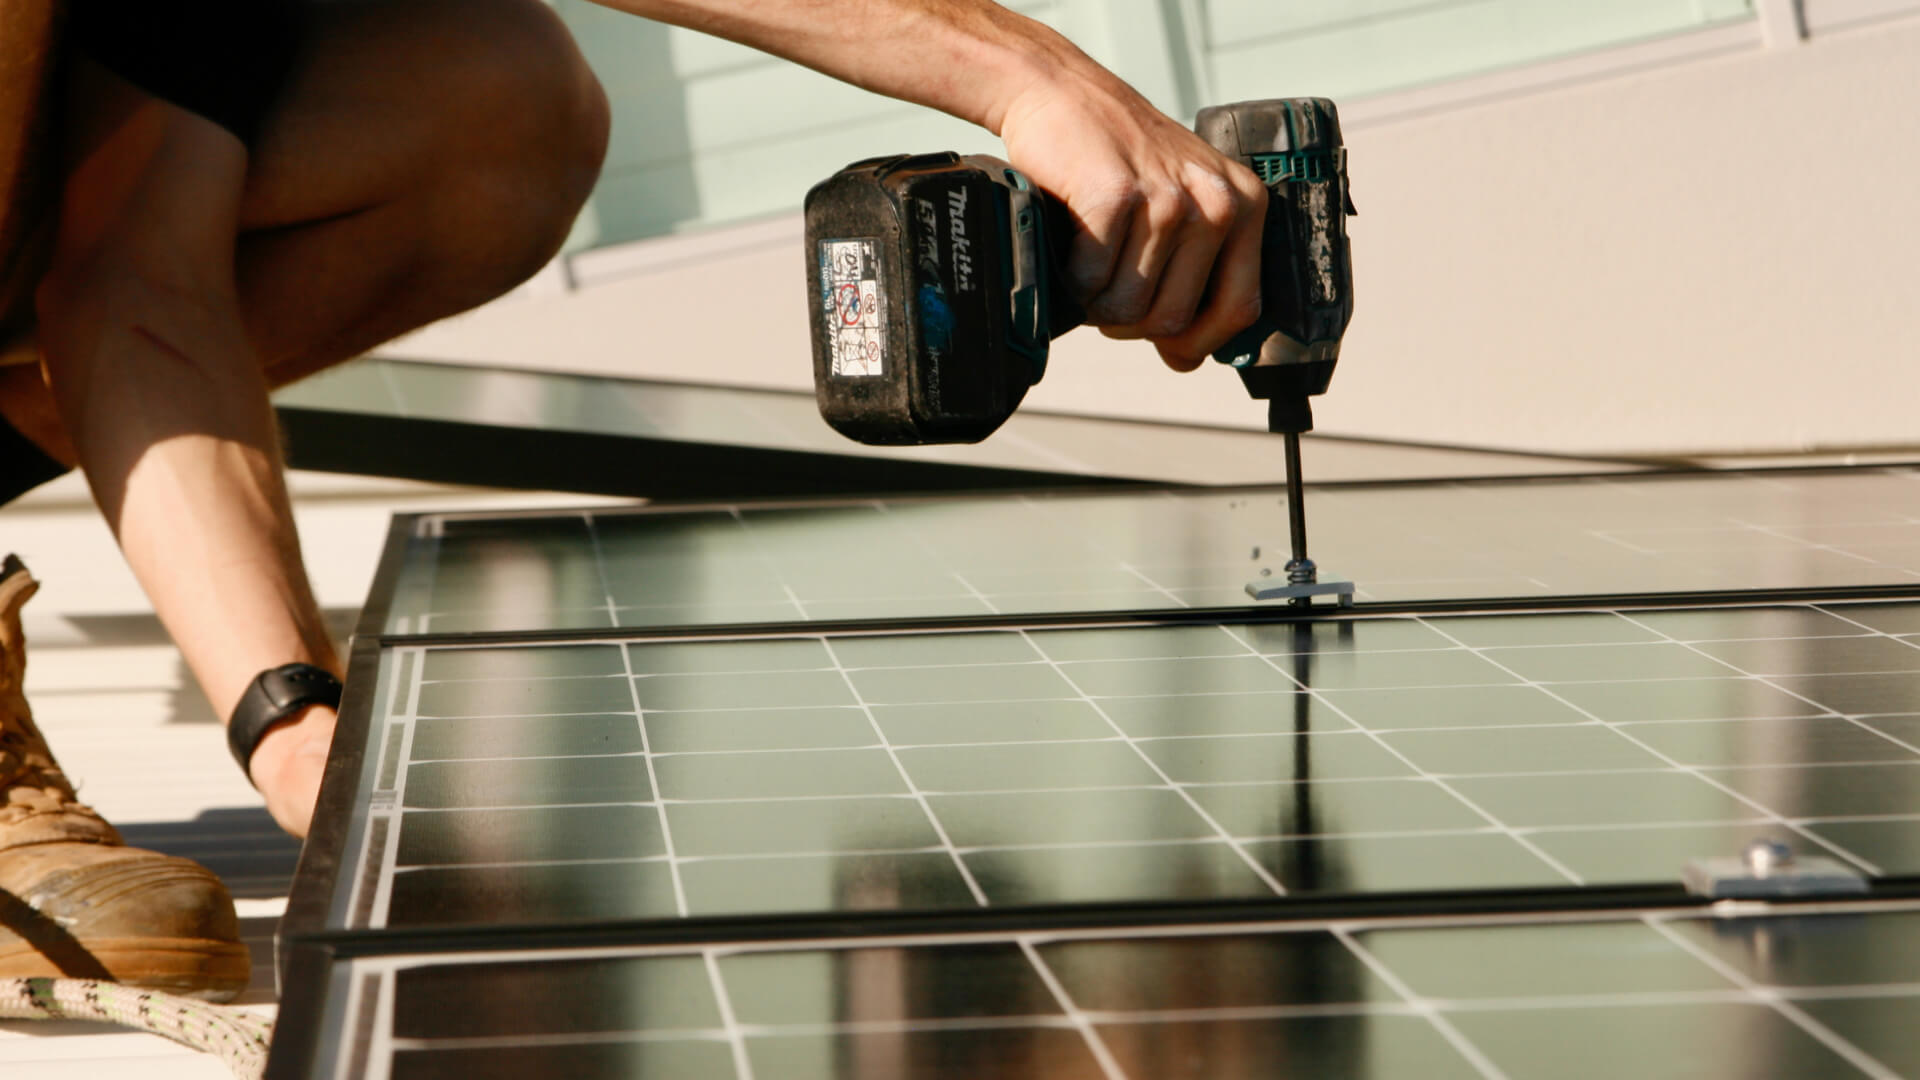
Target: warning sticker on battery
[[851, 290]]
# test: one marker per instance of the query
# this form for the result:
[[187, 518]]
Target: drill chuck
[[1306, 268]]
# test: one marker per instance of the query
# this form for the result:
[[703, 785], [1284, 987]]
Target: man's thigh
[[424, 157], [27, 173], [385, 96], [223, 60], [344, 105]]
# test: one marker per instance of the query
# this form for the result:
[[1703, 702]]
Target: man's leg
[[425, 157]]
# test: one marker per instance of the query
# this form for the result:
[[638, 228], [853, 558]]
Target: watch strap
[[273, 696]]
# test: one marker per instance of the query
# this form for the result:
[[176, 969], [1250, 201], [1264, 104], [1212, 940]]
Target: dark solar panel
[[642, 780], [1655, 993], [953, 837], [1156, 551]]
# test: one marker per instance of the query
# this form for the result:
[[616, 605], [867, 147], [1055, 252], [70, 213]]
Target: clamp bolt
[[1763, 857]]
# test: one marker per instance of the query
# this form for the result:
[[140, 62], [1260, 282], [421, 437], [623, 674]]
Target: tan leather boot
[[74, 900]]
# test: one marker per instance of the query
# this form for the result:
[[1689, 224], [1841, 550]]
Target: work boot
[[74, 899]]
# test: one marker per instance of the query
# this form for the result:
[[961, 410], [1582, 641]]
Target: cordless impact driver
[[935, 285]]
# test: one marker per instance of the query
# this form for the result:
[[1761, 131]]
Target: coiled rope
[[237, 1036]]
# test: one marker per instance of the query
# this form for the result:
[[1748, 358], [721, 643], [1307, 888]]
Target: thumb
[[1177, 360]]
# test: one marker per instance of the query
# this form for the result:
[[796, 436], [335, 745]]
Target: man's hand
[[288, 763], [1168, 244]]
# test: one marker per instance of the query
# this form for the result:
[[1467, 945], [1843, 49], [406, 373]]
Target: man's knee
[[529, 88], [533, 124]]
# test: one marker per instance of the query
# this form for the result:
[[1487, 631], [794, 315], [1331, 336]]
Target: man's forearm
[[969, 58], [181, 455]]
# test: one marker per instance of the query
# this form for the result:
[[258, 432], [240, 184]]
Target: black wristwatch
[[274, 695]]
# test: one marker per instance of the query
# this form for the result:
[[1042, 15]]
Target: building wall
[[708, 133], [1699, 241]]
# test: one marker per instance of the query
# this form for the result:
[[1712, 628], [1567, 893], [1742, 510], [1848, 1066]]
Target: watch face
[[298, 684], [274, 694]]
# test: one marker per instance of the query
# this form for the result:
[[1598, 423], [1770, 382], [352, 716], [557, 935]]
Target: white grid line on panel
[[1155, 585], [1443, 1026], [1505, 829], [736, 1039], [1324, 738], [1697, 772], [1419, 1007], [1253, 837], [1109, 1067], [1799, 1017], [1837, 612], [1266, 876], [939, 828], [1769, 681], [653, 778]]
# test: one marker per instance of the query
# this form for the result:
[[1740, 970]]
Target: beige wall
[[1714, 254]]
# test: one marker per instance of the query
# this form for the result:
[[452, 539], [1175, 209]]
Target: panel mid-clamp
[[1302, 582], [1769, 869]]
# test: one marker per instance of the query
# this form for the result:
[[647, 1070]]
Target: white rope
[[239, 1037]]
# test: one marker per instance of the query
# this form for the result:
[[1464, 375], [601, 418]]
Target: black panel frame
[[1273, 612], [326, 844]]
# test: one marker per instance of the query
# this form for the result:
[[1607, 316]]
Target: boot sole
[[208, 970]]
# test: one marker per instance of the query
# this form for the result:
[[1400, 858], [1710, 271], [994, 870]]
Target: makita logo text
[[962, 250], [927, 220]]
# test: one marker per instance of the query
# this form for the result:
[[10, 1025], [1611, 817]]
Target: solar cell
[[1163, 550], [1650, 993]]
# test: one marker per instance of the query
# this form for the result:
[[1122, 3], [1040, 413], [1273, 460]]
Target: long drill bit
[[1300, 569]]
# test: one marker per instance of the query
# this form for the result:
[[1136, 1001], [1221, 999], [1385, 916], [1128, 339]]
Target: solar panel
[[1165, 550], [649, 779], [1022, 787], [1645, 994]]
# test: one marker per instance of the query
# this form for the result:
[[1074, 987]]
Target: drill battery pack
[[931, 296]]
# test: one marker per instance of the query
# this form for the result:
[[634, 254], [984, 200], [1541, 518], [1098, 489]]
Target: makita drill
[[935, 283]]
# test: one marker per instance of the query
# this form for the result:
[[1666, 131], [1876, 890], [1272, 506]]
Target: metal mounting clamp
[[1281, 589], [1769, 869]]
